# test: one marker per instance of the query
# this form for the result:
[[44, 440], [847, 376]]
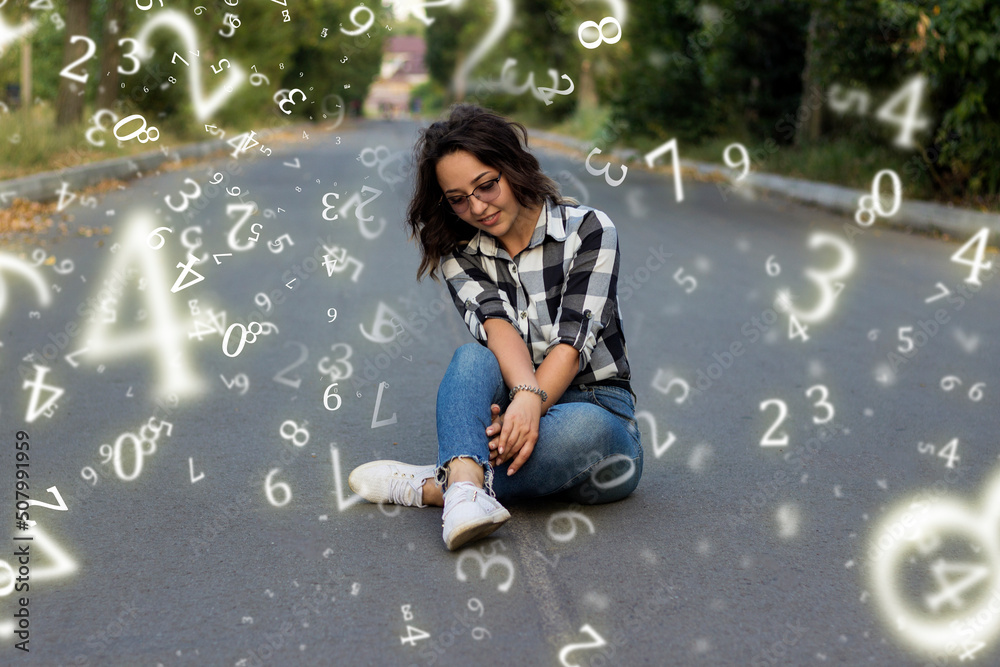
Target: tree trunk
[[69, 101], [107, 77], [588, 88], [809, 131]]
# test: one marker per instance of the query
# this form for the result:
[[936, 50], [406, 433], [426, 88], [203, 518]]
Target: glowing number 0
[[142, 130]]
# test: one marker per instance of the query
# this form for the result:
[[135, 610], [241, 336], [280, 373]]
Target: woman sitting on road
[[541, 405]]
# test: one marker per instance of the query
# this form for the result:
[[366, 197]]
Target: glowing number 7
[[671, 145]]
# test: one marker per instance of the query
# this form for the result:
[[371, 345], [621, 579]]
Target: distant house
[[403, 69]]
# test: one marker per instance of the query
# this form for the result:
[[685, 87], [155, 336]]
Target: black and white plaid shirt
[[562, 288]]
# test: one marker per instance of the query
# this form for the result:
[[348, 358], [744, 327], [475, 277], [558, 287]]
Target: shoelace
[[404, 491], [469, 493]]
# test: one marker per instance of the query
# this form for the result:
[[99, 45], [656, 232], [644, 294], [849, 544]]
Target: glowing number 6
[[601, 39]]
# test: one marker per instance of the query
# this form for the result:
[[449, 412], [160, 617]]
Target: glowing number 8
[[872, 204], [601, 39], [247, 336], [374, 153], [142, 130], [294, 434]]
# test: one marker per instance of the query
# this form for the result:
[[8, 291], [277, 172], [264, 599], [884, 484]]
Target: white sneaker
[[469, 514], [391, 482]]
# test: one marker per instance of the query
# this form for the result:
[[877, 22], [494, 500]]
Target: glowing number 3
[[607, 177]]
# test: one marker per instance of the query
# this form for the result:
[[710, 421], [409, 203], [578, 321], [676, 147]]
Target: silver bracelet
[[533, 390]]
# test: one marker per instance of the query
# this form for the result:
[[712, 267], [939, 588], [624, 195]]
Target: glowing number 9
[[354, 20], [570, 516], [745, 162], [601, 39]]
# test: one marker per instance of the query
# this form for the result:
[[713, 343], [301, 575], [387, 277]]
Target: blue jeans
[[588, 448]]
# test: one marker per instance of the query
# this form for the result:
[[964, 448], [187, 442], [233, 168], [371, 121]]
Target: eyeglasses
[[485, 193]]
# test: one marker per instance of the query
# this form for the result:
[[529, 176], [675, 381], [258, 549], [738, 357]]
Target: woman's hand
[[493, 432], [519, 430]]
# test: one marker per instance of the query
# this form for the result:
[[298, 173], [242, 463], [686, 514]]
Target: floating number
[[597, 643], [869, 205], [769, 440], [821, 403], [148, 131], [570, 517], [671, 145], [658, 447], [269, 489], [744, 161], [908, 120], [67, 71], [607, 177], [186, 198], [354, 19], [326, 397], [295, 432], [601, 39], [484, 567], [976, 262]]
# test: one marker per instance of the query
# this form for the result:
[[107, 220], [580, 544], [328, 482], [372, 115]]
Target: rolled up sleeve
[[588, 303], [475, 294]]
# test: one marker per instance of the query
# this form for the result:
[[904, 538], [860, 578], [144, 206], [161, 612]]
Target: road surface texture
[[815, 490]]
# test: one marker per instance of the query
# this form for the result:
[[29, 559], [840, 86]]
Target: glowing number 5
[[601, 39]]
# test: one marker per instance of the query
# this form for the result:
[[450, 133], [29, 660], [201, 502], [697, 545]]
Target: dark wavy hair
[[496, 142]]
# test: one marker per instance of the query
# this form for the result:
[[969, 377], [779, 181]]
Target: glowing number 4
[[976, 262]]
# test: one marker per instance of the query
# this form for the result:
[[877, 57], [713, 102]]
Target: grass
[[585, 124], [30, 142]]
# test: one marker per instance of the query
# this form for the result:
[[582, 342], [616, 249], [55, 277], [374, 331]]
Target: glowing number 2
[[175, 20], [597, 643]]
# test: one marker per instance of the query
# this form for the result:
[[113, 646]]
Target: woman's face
[[460, 173]]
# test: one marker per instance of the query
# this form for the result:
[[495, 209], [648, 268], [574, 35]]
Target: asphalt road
[[234, 540]]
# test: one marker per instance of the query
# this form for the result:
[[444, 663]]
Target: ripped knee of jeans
[[441, 474]]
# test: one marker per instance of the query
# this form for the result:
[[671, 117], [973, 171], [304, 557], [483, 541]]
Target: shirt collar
[[551, 221]]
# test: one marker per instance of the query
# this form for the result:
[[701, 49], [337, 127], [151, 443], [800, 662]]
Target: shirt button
[[524, 314], [513, 268], [469, 305]]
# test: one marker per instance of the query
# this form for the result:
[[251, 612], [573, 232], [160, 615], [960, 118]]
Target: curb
[[45, 186], [925, 216]]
